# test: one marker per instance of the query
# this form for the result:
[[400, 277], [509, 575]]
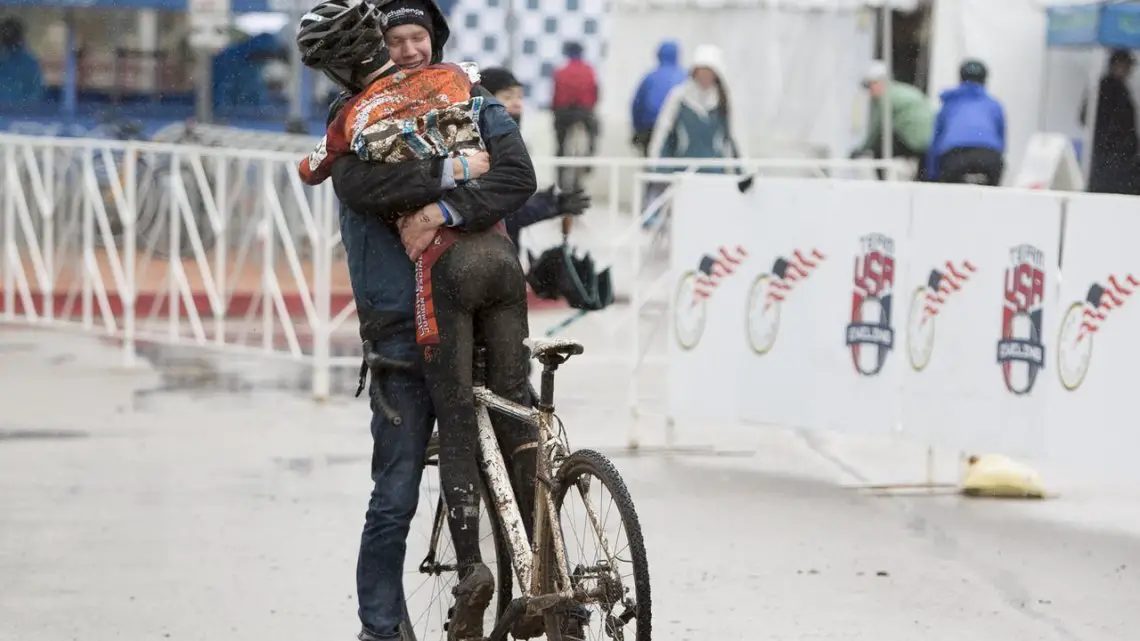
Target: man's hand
[[418, 230], [477, 165]]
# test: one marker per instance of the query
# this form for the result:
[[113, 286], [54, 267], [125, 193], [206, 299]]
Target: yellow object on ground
[[994, 475]]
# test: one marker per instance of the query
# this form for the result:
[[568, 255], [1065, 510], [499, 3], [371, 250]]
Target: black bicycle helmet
[[973, 71], [342, 39]]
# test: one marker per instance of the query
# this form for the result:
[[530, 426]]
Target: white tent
[[793, 66], [1042, 89]]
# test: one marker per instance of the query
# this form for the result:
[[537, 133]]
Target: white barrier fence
[[934, 312], [220, 248]]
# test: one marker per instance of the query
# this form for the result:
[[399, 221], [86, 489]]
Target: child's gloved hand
[[572, 203]]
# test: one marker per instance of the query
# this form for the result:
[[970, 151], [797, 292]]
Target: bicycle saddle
[[541, 347]]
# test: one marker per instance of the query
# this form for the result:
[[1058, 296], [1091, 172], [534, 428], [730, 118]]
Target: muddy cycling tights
[[479, 295]]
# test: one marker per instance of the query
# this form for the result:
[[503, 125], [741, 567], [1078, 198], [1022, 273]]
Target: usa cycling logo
[[1082, 321], [1020, 351], [928, 302], [870, 335], [768, 293], [690, 302]]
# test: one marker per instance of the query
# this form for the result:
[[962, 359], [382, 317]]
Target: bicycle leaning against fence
[[563, 592]]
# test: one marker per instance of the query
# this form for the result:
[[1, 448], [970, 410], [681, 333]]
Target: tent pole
[[298, 84], [887, 43], [1044, 100], [1091, 107], [70, 66], [512, 34], [204, 105]]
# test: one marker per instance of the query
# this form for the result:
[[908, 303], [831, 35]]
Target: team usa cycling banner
[[821, 308], [1096, 337], [980, 317], [935, 312]]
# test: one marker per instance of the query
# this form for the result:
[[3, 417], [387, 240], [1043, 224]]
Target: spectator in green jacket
[[912, 119]]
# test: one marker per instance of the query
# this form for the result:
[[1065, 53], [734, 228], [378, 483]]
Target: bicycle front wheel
[[605, 555]]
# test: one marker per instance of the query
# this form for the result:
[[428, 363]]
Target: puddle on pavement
[[304, 466], [41, 435], [187, 369]]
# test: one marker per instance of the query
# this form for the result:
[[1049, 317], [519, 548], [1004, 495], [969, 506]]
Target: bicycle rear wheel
[[430, 565], [617, 575]]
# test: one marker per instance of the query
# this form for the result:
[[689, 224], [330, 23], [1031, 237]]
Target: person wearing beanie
[[506, 88], [429, 262], [413, 34], [544, 205], [969, 132]]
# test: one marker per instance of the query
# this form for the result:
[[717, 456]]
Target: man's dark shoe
[[472, 596]]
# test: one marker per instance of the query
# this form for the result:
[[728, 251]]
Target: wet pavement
[[202, 498]]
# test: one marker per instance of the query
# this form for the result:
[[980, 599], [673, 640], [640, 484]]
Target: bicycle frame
[[525, 559]]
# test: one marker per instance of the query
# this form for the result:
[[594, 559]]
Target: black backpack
[[558, 273]]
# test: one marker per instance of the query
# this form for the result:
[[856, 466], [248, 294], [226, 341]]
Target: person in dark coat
[[544, 205], [1115, 167]]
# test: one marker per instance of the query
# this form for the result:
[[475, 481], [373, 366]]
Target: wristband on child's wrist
[[446, 214], [466, 168]]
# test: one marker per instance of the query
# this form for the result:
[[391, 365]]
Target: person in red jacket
[[573, 102]]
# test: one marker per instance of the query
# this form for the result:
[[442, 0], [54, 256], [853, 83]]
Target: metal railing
[[223, 249]]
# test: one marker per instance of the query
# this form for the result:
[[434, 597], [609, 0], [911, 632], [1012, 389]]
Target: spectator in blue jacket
[[651, 93], [21, 81], [969, 133]]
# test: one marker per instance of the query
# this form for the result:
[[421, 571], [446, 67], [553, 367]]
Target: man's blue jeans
[[397, 465]]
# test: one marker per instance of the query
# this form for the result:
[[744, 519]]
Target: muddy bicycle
[[575, 596]]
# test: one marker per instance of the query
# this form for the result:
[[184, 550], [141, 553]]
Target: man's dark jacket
[[382, 276]]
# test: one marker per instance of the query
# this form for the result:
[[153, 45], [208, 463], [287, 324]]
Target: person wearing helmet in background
[[544, 205], [912, 119], [342, 39], [652, 91], [969, 133]]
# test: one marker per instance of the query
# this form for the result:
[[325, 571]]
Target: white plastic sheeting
[[793, 76]]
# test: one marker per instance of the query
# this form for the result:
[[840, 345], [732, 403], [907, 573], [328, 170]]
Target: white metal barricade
[[226, 249]]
